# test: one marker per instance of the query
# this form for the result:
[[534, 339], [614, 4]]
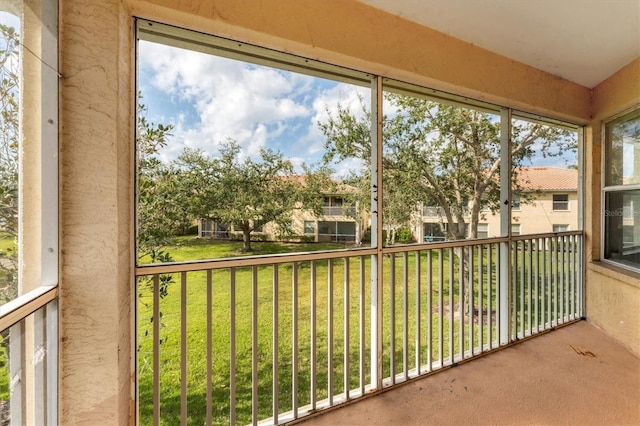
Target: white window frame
[[610, 189], [485, 230], [553, 201], [516, 202], [564, 226], [304, 227]]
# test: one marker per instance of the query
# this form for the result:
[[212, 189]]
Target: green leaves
[[438, 155], [9, 156]]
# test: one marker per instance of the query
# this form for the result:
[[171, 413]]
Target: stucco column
[[96, 285]]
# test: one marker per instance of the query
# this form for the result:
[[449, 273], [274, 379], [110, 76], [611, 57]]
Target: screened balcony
[[311, 331], [501, 323]]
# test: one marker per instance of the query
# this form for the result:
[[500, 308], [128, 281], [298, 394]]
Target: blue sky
[[211, 99]]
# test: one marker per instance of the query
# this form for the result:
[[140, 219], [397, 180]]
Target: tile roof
[[548, 178]]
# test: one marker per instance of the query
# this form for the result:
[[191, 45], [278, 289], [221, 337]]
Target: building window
[[483, 230], [515, 203], [560, 228], [309, 227], [515, 229], [560, 201], [621, 219]]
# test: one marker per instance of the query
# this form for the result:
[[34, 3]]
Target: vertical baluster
[[232, 347], [254, 345], [405, 315], [579, 275], [156, 350], [417, 313], [294, 339], [429, 313], [561, 273], [330, 331], [480, 300], [440, 306], [522, 280], [275, 343], [471, 300], [52, 312], [392, 316], [451, 297], [498, 304], [461, 290], [209, 409], [489, 290], [574, 270], [514, 290], [362, 324], [536, 247], [313, 332], [346, 333], [529, 286], [547, 282], [566, 272], [183, 348], [554, 274]]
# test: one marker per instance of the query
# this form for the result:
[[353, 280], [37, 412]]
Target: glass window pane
[[560, 201], [623, 150], [622, 227]]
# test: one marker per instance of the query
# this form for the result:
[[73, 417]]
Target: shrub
[[404, 236]]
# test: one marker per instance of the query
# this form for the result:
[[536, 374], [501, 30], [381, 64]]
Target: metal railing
[[338, 211], [336, 238], [29, 358], [271, 339]]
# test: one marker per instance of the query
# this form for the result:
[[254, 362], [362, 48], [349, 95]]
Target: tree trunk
[[246, 238]]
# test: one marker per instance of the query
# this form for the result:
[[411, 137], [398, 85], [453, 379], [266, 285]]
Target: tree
[[248, 194], [156, 187], [9, 140], [441, 155]]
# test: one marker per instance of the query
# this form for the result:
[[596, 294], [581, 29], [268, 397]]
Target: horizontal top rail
[[444, 244], [545, 235], [279, 258], [238, 262], [23, 306]]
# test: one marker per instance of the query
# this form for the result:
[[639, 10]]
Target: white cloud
[[253, 105], [233, 100]]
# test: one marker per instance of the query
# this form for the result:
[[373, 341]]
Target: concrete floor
[[575, 375]]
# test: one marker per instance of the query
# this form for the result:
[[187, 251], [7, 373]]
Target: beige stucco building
[[551, 205], [97, 100]]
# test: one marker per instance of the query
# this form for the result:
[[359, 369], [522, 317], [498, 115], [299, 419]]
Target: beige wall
[[612, 294], [534, 218], [96, 163], [540, 217], [96, 145]]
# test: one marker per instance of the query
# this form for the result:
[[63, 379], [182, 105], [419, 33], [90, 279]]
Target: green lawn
[[221, 294], [7, 243]]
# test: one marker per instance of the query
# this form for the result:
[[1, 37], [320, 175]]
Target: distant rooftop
[[548, 178]]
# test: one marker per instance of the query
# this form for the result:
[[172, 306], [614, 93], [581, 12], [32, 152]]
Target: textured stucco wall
[[96, 92], [96, 145], [612, 294]]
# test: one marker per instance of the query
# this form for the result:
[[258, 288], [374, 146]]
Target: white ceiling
[[584, 41]]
